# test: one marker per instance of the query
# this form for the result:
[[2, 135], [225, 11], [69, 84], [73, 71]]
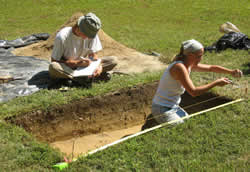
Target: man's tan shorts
[[60, 70]]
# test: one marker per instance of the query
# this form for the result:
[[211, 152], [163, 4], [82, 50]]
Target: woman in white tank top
[[176, 80]]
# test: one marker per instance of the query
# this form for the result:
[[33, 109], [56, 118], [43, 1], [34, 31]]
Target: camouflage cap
[[89, 24]]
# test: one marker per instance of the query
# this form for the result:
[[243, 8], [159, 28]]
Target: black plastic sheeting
[[24, 41], [233, 40], [30, 73]]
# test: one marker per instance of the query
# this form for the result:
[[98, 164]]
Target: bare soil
[[117, 110], [81, 145]]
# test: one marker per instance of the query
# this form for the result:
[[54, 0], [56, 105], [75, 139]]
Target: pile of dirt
[[129, 60]]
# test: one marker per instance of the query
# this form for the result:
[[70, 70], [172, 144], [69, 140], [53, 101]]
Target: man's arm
[[58, 55], [93, 56], [95, 46], [98, 71], [74, 63]]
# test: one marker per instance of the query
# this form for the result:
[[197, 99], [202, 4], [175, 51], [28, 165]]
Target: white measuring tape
[[160, 126], [63, 165]]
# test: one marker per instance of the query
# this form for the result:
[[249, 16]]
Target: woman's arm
[[217, 69], [180, 73]]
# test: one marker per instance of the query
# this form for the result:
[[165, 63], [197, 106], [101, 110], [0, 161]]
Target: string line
[[186, 107]]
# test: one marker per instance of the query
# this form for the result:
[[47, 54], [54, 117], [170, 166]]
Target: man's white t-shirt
[[70, 46]]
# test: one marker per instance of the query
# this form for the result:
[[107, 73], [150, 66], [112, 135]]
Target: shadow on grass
[[246, 70]]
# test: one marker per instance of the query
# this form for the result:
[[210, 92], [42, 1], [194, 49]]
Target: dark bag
[[234, 40]]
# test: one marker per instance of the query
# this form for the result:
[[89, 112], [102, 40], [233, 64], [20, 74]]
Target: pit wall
[[118, 110], [114, 111]]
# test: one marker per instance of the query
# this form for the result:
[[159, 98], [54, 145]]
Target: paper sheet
[[87, 71]]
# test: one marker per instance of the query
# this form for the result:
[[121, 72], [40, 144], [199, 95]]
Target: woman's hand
[[222, 82], [237, 73]]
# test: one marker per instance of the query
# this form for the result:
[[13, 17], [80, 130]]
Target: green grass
[[209, 142], [21, 152], [46, 99], [215, 141]]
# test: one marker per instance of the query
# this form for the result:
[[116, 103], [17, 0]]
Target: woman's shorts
[[164, 114]]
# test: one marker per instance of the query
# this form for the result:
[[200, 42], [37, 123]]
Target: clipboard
[[87, 71]]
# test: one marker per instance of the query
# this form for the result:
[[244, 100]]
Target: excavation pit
[[92, 122]]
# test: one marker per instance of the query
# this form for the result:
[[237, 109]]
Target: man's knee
[[56, 71], [109, 62]]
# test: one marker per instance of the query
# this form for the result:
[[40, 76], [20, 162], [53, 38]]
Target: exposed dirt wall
[[121, 109], [114, 111]]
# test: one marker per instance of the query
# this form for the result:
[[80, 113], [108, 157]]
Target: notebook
[[87, 71]]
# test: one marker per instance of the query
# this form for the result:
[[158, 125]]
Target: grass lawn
[[215, 141]]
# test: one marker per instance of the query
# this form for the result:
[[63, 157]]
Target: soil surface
[[82, 145], [95, 121]]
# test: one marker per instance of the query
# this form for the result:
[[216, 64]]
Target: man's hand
[[98, 71], [74, 63], [93, 56], [84, 62]]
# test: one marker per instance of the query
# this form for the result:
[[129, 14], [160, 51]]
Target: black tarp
[[24, 41], [31, 73]]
